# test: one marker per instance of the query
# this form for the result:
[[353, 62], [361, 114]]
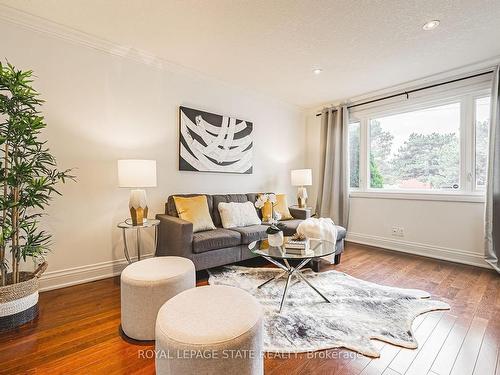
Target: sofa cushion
[[251, 233], [218, 238], [196, 211], [171, 210], [281, 207], [216, 199], [235, 215]]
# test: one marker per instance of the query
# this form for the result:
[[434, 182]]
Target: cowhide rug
[[360, 310]]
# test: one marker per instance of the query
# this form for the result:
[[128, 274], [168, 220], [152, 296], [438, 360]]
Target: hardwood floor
[[78, 328]]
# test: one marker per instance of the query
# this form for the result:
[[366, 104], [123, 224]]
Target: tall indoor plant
[[28, 176]]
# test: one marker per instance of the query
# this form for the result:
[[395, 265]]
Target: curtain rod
[[407, 93]]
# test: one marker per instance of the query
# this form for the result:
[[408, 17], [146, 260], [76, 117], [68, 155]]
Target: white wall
[[101, 107], [440, 229]]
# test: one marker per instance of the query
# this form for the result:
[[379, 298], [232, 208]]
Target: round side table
[[126, 226]]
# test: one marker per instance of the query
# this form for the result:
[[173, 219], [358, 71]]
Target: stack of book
[[299, 247]]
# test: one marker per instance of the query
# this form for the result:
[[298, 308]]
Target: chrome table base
[[289, 271]]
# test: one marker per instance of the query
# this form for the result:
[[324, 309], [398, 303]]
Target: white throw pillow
[[238, 214]]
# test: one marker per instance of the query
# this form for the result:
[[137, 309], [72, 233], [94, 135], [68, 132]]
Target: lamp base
[[302, 196], [138, 207]]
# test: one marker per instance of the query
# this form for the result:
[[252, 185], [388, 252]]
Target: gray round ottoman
[[145, 286], [210, 330]]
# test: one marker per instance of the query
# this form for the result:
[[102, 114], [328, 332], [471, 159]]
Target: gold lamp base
[[138, 207], [138, 215]]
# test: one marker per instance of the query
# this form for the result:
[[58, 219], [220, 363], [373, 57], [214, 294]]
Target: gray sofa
[[220, 246]]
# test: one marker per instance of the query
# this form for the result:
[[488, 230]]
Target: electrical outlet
[[401, 232], [398, 231]]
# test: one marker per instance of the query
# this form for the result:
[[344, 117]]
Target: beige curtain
[[492, 216], [333, 192]]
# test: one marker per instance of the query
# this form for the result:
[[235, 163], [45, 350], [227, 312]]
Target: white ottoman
[[146, 286], [210, 330]]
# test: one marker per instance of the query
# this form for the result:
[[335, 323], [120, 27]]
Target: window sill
[[420, 196]]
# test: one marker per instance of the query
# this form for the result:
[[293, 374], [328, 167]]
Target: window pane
[[354, 154], [482, 114], [418, 150]]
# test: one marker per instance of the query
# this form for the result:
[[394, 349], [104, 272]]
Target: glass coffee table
[[278, 256]]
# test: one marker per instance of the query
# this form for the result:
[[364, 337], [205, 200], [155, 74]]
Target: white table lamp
[[301, 178], [137, 174]]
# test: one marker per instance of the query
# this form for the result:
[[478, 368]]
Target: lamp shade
[[301, 177], [136, 173]]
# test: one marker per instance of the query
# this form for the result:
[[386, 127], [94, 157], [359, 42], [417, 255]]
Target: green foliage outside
[[376, 179], [431, 159]]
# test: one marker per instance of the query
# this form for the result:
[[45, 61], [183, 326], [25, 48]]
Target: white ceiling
[[271, 46]]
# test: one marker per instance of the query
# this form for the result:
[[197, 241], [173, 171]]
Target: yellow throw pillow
[[281, 207], [194, 210]]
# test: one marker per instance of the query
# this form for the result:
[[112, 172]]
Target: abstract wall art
[[214, 143]]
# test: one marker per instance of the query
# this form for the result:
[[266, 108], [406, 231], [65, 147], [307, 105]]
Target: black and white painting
[[214, 143]]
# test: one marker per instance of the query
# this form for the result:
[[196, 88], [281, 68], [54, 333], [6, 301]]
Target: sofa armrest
[[175, 236], [300, 213]]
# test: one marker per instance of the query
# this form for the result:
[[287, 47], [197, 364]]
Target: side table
[[126, 226]]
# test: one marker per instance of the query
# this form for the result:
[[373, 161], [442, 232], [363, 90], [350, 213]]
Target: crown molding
[[41, 25]]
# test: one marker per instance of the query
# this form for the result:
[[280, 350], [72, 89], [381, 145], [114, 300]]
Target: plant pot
[[19, 302], [275, 239]]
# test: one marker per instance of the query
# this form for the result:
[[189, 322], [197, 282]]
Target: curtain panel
[[492, 214], [333, 192]]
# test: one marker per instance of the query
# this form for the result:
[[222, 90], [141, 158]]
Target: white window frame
[[465, 94], [474, 98]]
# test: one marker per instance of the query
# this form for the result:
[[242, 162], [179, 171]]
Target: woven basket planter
[[19, 302]]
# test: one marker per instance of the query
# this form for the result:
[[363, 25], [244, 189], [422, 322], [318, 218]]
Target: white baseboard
[[83, 274], [431, 251]]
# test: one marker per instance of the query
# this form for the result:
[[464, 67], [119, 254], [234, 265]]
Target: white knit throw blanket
[[323, 228]]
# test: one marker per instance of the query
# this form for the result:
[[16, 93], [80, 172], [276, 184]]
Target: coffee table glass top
[[318, 248]]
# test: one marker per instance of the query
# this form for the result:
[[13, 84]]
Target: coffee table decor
[[358, 312]]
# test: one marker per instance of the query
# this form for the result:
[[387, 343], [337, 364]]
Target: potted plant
[[28, 177]]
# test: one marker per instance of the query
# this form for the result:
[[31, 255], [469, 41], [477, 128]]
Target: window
[[416, 150], [482, 120], [434, 143], [354, 154]]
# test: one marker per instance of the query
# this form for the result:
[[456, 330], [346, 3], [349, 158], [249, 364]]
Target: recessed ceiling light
[[431, 25], [317, 71]]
